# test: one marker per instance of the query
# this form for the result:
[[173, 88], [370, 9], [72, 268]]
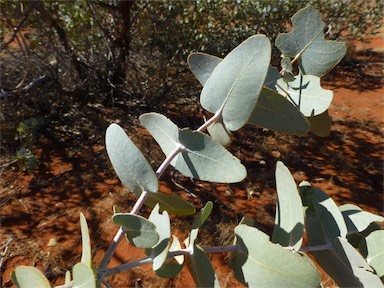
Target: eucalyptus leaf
[[346, 266], [163, 130], [172, 265], [373, 250], [272, 111], [163, 227], [200, 218], [205, 159], [220, 134], [320, 124], [289, 219], [170, 203], [130, 165], [202, 65], [356, 219], [316, 55], [86, 255], [83, 276], [260, 263], [139, 231], [27, 277], [305, 92], [275, 112], [201, 268], [323, 220], [235, 84]]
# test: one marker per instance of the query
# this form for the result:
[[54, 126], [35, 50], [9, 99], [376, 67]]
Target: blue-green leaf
[[130, 165], [201, 268], [27, 277], [346, 266], [83, 276], [373, 250], [163, 227], [356, 219], [170, 203], [275, 112], [205, 159], [320, 124], [235, 84], [220, 134], [172, 265], [306, 94], [200, 218], [323, 220], [260, 263], [202, 65], [139, 231], [163, 130], [86, 255], [289, 219], [316, 55]]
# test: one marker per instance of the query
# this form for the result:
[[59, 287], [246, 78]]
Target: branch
[[18, 27]]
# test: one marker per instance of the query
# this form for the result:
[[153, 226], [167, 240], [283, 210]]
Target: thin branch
[[18, 27]]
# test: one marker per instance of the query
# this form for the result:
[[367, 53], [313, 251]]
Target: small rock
[[52, 242]]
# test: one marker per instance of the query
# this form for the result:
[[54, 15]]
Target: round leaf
[[26, 277], [305, 92], [170, 203], [275, 112], [205, 159], [260, 263], [130, 165], [235, 84], [373, 250], [317, 55], [163, 130], [83, 276], [139, 231]]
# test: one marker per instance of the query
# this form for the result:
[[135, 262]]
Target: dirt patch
[[40, 210]]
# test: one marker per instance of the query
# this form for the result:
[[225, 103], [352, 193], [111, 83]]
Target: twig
[[18, 27]]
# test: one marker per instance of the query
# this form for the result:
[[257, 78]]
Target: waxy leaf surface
[[130, 165], [260, 263], [317, 55], [346, 266], [373, 250], [27, 277], [289, 219], [323, 220], [86, 255], [163, 130], [172, 265], [163, 228], [306, 94], [83, 276], [205, 159], [272, 111], [275, 112], [170, 203], [201, 269], [235, 84], [139, 231], [356, 219]]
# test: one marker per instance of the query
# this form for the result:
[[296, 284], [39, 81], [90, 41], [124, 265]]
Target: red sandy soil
[[40, 210]]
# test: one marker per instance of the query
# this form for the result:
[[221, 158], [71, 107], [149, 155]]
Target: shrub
[[242, 88]]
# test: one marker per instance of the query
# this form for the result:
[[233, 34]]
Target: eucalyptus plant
[[240, 89]]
